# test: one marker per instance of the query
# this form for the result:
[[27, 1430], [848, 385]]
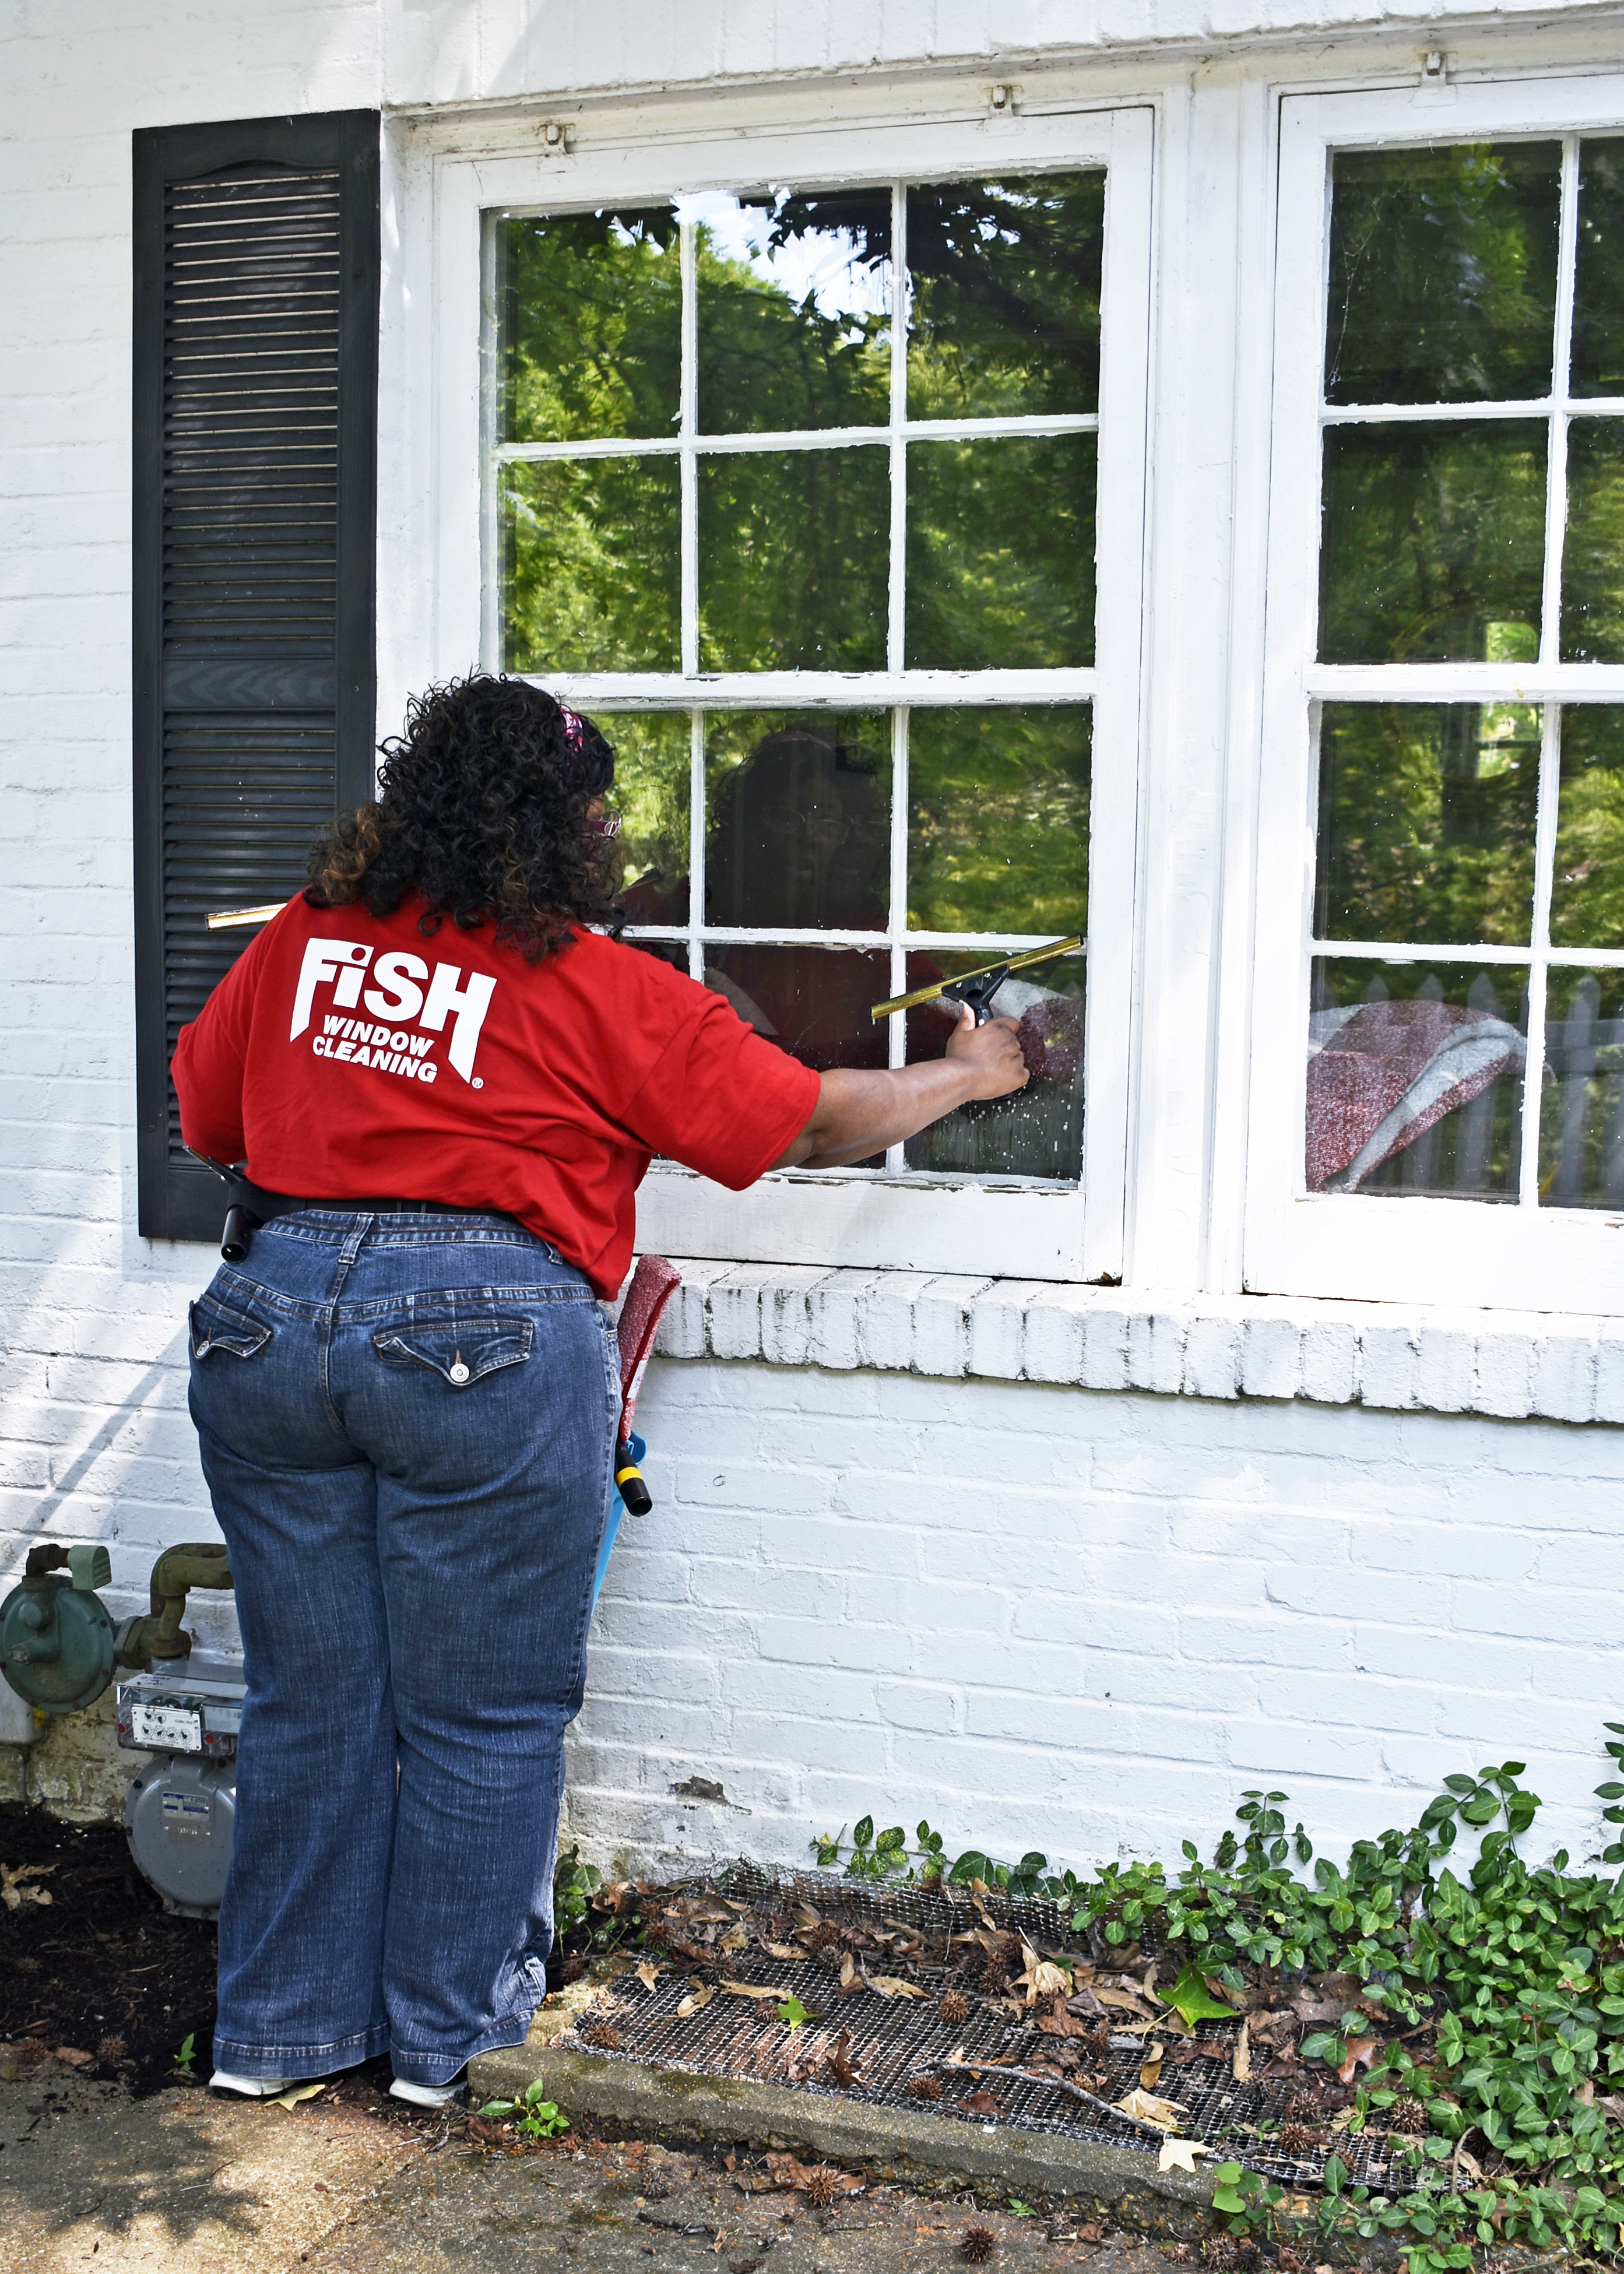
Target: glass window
[[1469, 903], [835, 437]]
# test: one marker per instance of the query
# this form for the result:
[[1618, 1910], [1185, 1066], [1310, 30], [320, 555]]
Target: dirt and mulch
[[95, 1977]]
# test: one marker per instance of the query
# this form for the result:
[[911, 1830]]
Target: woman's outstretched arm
[[858, 1114]]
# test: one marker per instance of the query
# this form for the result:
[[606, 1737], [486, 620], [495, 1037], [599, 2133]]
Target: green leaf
[[1194, 2001], [1021, 2210], [793, 2012], [864, 1833]]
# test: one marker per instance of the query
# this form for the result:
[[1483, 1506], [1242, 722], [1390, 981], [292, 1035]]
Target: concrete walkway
[[188, 2184]]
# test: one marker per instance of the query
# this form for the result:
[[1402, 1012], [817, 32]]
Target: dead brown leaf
[[1151, 2110], [14, 1889], [1362, 2053], [1240, 2069], [1150, 2068], [701, 1994], [892, 1985], [818, 2179], [71, 2057], [752, 1989], [1041, 1978], [782, 1950], [982, 2104], [647, 1973], [841, 2064], [735, 1939]]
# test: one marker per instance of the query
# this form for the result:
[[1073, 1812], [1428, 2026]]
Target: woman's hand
[[859, 1114], [991, 1051]]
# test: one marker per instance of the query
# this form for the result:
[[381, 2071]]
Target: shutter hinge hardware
[[557, 136], [1435, 69], [1001, 95]]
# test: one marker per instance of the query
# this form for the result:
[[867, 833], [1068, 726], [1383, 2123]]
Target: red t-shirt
[[344, 1056]]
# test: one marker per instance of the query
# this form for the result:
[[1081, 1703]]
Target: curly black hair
[[482, 807]]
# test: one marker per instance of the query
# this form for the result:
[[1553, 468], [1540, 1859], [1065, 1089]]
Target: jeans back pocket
[[217, 1325], [461, 1350]]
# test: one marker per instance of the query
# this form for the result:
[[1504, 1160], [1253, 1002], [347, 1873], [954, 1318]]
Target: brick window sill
[[1510, 1365]]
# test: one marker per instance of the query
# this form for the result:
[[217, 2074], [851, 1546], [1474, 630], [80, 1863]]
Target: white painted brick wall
[[1088, 1619], [1142, 1553]]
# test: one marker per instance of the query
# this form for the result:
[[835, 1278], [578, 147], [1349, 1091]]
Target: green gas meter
[[56, 1641]]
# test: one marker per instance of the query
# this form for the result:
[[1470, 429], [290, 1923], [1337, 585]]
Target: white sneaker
[[252, 2088], [425, 2096]]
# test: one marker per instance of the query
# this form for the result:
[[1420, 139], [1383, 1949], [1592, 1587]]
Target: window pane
[[793, 311], [1433, 538], [1587, 889], [589, 564], [1000, 557], [650, 794], [1598, 285], [1004, 295], [793, 554], [813, 1002], [1443, 273], [1581, 1105], [797, 827], [1593, 554], [1415, 1078], [1426, 821], [589, 318], [998, 820], [1039, 1131]]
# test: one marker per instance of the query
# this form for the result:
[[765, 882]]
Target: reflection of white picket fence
[[1582, 1163]]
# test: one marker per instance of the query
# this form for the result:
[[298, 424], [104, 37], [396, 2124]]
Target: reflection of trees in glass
[[1599, 282], [771, 364], [1587, 890], [589, 558], [799, 824], [1005, 312], [1000, 558], [1443, 273], [590, 325], [650, 794], [998, 821], [793, 557], [1431, 534], [1426, 822], [1582, 1100], [1593, 551]]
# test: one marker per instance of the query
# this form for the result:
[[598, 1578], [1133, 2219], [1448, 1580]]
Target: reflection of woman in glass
[[799, 840]]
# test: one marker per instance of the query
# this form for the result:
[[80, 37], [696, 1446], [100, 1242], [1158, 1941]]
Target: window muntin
[[1472, 514], [759, 435]]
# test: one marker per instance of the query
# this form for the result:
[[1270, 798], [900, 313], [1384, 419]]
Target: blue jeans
[[407, 1423]]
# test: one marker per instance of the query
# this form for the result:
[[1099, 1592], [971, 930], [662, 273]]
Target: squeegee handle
[[978, 991]]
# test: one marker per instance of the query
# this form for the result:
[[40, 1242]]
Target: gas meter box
[[193, 1707], [181, 1814]]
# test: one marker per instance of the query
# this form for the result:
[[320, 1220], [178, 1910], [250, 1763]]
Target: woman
[[453, 1075]]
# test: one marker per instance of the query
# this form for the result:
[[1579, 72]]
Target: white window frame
[[931, 1222], [1374, 1247]]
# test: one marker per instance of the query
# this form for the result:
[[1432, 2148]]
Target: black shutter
[[256, 386]]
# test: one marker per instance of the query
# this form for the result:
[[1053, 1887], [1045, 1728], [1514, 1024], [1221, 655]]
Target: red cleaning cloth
[[654, 1283], [346, 1056]]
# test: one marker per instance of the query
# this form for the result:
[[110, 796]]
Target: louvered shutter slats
[[256, 375]]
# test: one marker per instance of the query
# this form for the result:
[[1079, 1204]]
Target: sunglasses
[[604, 824]]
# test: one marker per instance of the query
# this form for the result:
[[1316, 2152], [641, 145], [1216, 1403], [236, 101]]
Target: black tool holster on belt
[[250, 1206]]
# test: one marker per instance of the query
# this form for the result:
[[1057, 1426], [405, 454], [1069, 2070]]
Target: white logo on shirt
[[342, 963]]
